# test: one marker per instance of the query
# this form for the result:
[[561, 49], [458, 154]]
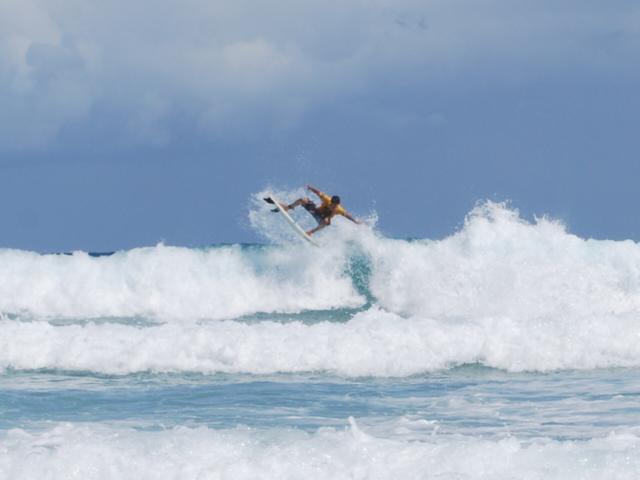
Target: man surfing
[[328, 208]]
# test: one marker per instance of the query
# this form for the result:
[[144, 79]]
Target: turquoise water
[[467, 400]]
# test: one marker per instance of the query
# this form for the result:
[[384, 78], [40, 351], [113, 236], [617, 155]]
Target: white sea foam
[[497, 265], [373, 343], [501, 265], [99, 452], [502, 292], [165, 282]]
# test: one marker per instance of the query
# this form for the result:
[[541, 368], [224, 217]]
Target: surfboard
[[297, 228]]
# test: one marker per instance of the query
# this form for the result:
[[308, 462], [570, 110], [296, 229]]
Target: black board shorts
[[312, 208]]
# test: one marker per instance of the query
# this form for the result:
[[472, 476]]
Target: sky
[[124, 123]]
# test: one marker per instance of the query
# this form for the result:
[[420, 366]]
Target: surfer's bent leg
[[318, 217], [305, 202]]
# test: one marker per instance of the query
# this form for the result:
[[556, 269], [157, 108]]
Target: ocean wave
[[501, 265], [93, 451], [502, 292], [173, 283], [373, 343], [497, 265]]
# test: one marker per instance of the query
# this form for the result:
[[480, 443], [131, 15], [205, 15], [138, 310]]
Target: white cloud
[[240, 66]]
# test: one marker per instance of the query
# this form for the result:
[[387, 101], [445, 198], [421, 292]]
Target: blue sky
[[127, 123]]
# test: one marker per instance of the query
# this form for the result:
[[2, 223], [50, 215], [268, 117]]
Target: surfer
[[329, 207]]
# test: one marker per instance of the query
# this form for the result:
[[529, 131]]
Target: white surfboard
[[298, 229]]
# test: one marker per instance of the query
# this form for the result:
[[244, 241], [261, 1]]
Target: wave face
[[502, 292], [170, 283], [106, 452], [500, 265]]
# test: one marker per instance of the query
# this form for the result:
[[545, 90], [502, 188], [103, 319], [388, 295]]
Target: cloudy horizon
[[125, 124]]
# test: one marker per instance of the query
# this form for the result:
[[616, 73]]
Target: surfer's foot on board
[[270, 201]]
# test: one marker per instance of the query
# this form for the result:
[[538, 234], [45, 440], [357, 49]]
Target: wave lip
[[92, 451]]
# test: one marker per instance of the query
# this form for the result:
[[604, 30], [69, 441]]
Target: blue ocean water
[[469, 400], [508, 350]]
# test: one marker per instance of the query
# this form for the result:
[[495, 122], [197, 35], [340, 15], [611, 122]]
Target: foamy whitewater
[[510, 349]]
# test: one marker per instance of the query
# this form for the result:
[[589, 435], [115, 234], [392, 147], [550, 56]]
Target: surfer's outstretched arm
[[354, 220], [315, 190], [319, 227]]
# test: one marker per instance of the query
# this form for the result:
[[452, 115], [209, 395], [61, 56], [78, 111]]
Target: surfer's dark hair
[[335, 200]]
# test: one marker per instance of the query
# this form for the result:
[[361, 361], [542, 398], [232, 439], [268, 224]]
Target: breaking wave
[[502, 291]]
